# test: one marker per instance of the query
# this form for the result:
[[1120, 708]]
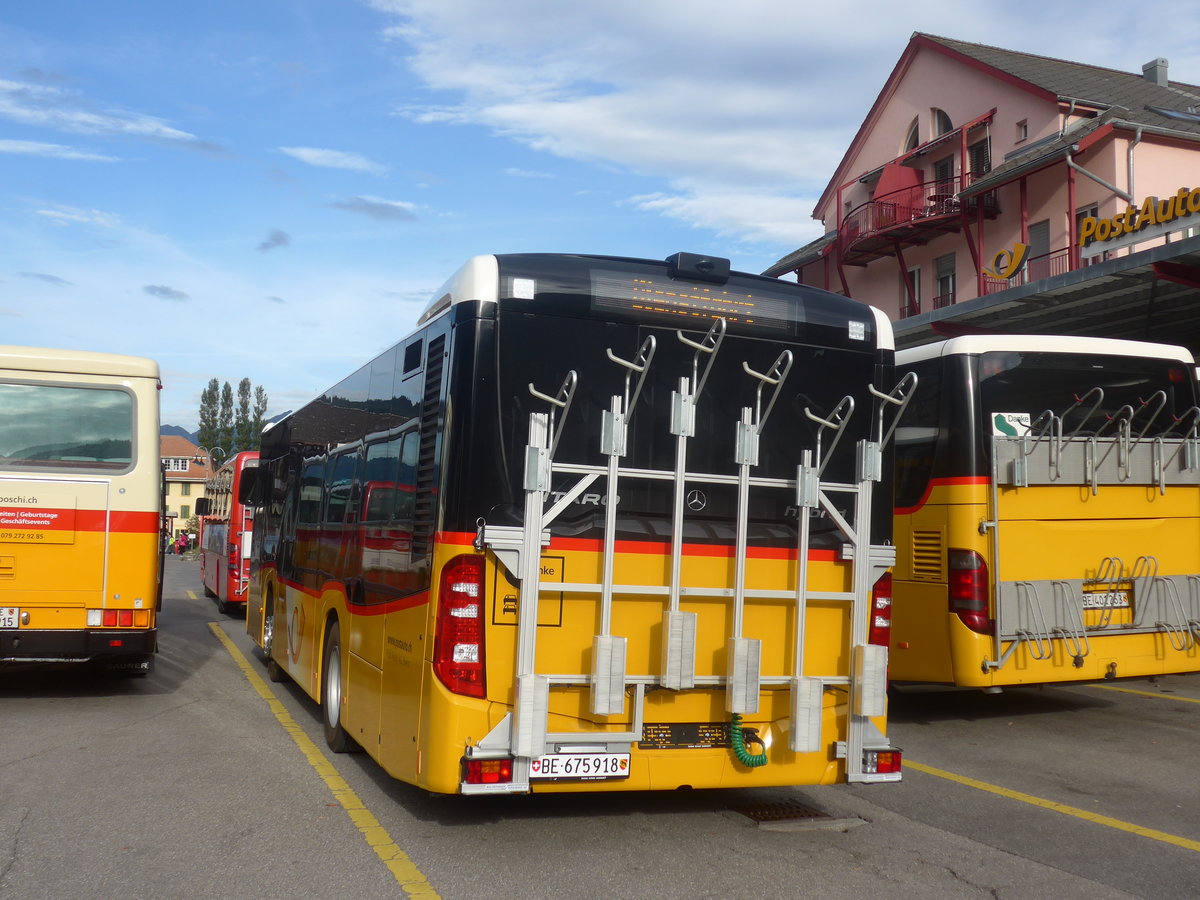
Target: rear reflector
[[488, 771], [881, 762]]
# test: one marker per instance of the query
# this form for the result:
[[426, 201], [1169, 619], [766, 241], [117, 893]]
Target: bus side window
[[339, 481], [311, 485], [379, 480], [407, 481], [917, 437]]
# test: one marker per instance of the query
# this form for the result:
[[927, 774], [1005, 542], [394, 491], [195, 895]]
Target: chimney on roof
[[1156, 71]]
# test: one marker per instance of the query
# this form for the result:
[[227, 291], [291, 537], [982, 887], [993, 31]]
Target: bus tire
[[336, 737], [274, 672]]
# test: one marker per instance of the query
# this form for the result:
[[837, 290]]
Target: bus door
[[669, 618]]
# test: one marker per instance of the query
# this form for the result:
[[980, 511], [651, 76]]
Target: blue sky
[[273, 189]]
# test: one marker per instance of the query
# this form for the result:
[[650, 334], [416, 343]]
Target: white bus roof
[[75, 362], [1042, 343]]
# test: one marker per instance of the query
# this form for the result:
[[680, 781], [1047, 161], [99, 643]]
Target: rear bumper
[[89, 645]]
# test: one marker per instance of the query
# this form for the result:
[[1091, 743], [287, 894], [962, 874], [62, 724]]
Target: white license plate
[[580, 766], [9, 616], [1106, 600]]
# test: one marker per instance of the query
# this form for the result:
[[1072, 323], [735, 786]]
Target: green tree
[[226, 426], [209, 398], [225, 420], [256, 417], [242, 437]]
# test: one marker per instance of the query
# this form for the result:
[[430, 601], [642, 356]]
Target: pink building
[[995, 190]]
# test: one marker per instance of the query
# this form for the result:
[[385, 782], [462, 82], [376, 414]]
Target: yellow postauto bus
[[80, 509], [1048, 512], [596, 524]]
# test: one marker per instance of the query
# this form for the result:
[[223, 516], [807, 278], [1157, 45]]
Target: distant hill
[[177, 431]]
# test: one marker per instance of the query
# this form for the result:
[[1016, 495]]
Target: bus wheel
[[331, 693], [274, 673]]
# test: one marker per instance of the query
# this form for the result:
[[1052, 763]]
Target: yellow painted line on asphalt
[[192, 595], [1160, 696], [405, 871], [1107, 821]]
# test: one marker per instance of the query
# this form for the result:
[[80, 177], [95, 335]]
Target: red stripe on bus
[[653, 548], [420, 598], [942, 482], [39, 518]]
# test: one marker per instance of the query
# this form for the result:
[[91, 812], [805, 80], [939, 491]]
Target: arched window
[[913, 140], [941, 122]]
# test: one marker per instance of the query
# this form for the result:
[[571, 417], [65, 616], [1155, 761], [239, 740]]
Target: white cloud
[[70, 215], [334, 159], [52, 151], [378, 208], [744, 112], [64, 110]]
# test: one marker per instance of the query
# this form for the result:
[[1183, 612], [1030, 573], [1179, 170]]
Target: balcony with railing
[[1047, 265], [911, 215]]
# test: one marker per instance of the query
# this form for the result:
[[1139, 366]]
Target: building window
[[941, 122], [185, 489], [177, 464], [979, 158], [944, 293], [185, 511], [913, 139], [910, 301], [1022, 130]]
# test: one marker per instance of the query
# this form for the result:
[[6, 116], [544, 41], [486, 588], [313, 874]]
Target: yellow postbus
[[1047, 512], [596, 524], [80, 508]]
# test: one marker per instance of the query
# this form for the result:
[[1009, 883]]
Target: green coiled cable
[[744, 756]]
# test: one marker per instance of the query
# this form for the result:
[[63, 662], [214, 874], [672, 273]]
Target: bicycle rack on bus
[[1114, 454], [523, 734]]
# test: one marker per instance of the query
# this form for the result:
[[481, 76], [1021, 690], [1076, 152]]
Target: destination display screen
[[683, 300]]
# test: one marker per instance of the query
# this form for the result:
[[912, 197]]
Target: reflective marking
[[1108, 687], [192, 595], [405, 871], [1098, 819]]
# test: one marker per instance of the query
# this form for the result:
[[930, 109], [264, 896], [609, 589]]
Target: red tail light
[[488, 771], [110, 618], [969, 590], [233, 556], [881, 612], [125, 618], [458, 642]]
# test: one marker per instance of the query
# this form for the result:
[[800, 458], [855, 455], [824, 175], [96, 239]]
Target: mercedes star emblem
[[696, 500]]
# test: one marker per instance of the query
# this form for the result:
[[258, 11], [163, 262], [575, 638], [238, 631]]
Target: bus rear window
[[65, 427], [1088, 391]]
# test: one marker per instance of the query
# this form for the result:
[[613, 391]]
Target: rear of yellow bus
[[663, 656], [80, 509], [1065, 551]]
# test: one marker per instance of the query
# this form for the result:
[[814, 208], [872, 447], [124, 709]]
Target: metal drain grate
[[783, 811]]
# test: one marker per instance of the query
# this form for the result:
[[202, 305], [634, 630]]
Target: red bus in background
[[225, 528]]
